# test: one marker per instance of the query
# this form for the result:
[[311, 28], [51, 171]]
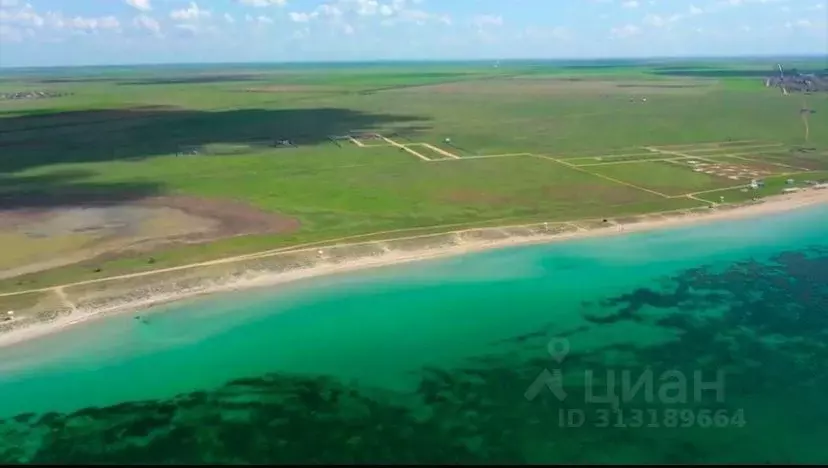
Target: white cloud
[[24, 16], [300, 17], [9, 3], [482, 21], [628, 30], [260, 19], [22, 20], [367, 7], [694, 10], [10, 33], [80, 23], [417, 16], [191, 13], [147, 22], [655, 21], [737, 3], [328, 10], [300, 34], [630, 4], [546, 33], [389, 12], [658, 21], [800, 24], [143, 5], [187, 29], [263, 3], [229, 18]]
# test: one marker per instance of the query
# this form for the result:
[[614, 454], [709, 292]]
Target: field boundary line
[[356, 142], [651, 153], [611, 163], [771, 163], [506, 155], [680, 156], [724, 155], [661, 151], [405, 148], [740, 148], [486, 156], [737, 156], [440, 150], [680, 162], [693, 196], [684, 145], [702, 192], [608, 156], [611, 179]]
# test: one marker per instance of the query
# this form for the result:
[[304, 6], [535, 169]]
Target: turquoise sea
[[714, 338]]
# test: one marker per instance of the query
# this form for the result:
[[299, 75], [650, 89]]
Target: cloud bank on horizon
[[80, 32]]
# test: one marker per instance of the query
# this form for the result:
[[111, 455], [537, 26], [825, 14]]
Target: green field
[[663, 177], [599, 141]]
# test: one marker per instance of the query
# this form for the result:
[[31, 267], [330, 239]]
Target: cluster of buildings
[[31, 95], [793, 81]]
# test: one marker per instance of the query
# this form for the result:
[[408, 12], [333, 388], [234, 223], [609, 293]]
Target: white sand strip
[[768, 206]]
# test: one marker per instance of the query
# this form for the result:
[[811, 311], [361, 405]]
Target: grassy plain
[[597, 140]]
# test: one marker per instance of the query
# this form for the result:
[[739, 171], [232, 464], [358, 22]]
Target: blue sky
[[91, 32]]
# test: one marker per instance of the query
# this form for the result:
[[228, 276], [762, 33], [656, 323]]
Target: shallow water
[[437, 361]]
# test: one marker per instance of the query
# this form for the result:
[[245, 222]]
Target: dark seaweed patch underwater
[[769, 332]]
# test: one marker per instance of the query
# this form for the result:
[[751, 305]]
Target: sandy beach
[[53, 309]]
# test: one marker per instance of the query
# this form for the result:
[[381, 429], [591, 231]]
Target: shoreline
[[376, 254]]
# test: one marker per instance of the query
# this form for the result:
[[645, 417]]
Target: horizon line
[[426, 60]]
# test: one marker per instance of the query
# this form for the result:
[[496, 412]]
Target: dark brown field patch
[[234, 218], [41, 238]]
